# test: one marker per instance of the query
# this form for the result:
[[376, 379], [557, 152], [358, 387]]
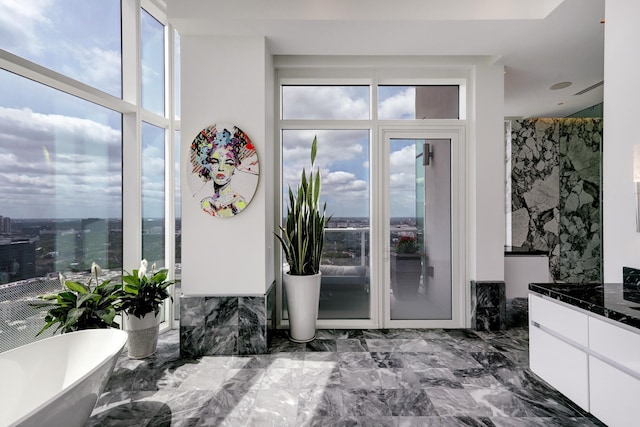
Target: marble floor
[[397, 377]]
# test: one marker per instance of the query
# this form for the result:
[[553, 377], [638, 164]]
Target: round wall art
[[224, 170]]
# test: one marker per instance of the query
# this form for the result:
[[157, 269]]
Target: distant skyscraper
[[5, 224]]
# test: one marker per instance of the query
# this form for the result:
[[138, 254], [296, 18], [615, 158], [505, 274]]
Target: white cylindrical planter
[[143, 335], [303, 297]]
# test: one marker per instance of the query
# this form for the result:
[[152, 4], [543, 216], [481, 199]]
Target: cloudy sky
[[61, 156], [343, 155]]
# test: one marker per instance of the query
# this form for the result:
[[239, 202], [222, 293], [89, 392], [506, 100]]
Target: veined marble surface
[[389, 377], [555, 193], [615, 301]]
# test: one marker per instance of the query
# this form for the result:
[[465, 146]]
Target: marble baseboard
[[488, 306], [226, 325], [517, 312]]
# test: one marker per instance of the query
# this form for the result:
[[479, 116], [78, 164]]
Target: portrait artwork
[[224, 170]]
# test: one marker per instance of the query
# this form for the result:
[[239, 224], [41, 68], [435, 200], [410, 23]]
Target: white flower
[[153, 267], [62, 279], [96, 270], [143, 269]]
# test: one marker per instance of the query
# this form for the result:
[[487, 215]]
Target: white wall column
[[621, 242], [228, 80]]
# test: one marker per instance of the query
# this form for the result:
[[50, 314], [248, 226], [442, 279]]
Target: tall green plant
[[302, 236]]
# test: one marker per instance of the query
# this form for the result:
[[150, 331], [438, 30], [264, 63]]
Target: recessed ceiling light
[[560, 85]]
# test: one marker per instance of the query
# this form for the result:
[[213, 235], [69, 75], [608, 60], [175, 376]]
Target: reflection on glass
[[343, 158], [153, 194], [152, 49], [420, 230], [176, 73], [325, 102], [178, 236], [67, 37], [418, 102], [61, 182]]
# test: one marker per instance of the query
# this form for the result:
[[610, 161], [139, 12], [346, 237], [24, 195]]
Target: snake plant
[[302, 237]]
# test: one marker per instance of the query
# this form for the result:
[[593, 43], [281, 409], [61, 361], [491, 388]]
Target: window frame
[[130, 107], [378, 72]]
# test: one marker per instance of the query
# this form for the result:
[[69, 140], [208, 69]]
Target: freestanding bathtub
[[57, 381]]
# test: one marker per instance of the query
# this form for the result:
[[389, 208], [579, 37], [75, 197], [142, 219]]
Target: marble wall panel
[[535, 193], [580, 208], [488, 306], [225, 325], [555, 193]]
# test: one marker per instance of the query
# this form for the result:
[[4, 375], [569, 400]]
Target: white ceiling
[[539, 42]]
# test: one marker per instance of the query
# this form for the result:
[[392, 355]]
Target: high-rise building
[[5, 225]]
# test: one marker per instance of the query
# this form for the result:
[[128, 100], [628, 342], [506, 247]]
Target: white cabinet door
[[614, 395], [564, 321], [561, 365], [615, 343]]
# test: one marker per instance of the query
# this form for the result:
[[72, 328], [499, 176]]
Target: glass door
[[423, 286]]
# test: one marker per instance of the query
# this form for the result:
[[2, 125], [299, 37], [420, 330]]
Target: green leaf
[[314, 149], [131, 289], [76, 287]]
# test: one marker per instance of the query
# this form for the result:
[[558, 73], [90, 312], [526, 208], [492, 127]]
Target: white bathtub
[[57, 381]]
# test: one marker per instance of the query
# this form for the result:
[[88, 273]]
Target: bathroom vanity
[[584, 340]]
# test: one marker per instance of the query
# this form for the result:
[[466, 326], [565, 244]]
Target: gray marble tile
[[433, 377], [456, 402], [356, 360], [322, 344], [465, 378], [320, 403], [282, 378], [252, 311], [387, 360], [278, 406], [359, 378], [313, 378], [351, 345], [192, 311], [221, 312], [397, 345], [409, 402], [230, 403], [243, 379], [365, 403]]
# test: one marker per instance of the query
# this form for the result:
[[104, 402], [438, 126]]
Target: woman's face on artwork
[[223, 163]]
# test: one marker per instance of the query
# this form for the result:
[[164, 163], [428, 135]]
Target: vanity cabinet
[[557, 336], [614, 368], [592, 360]]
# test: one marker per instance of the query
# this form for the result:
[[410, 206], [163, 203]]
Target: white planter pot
[[303, 297], [143, 335]]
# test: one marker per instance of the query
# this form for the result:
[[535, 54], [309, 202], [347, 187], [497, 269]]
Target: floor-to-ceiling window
[[86, 100], [364, 182]]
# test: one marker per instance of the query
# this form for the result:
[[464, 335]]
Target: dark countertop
[[520, 251], [612, 300]]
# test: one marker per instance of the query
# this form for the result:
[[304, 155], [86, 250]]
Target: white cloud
[[398, 106], [323, 102], [402, 181], [55, 161], [20, 22]]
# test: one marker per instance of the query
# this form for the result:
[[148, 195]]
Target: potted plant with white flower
[[143, 294], [79, 306]]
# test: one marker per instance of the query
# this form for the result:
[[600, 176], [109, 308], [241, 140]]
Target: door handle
[[427, 154]]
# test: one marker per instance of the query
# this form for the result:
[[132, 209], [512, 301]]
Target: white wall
[[228, 80], [486, 168], [621, 243]]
